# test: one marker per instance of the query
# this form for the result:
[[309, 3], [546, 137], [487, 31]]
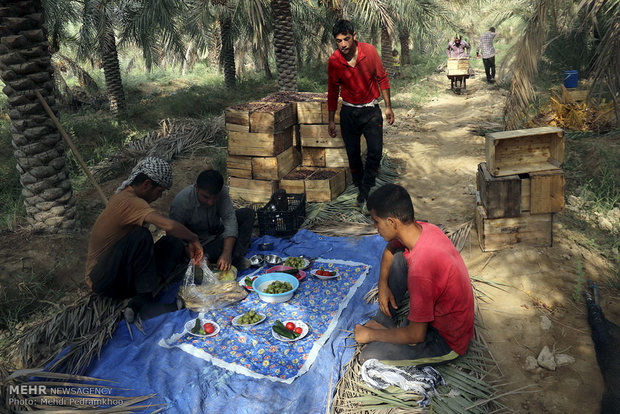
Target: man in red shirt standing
[[356, 72], [419, 259]]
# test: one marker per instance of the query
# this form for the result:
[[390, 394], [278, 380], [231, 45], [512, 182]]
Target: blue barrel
[[570, 78]]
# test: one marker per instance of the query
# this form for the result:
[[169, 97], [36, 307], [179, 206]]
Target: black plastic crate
[[282, 223]]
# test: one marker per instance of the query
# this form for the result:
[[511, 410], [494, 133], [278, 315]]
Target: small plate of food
[[250, 318], [201, 327], [300, 263], [289, 330], [324, 274], [247, 282]]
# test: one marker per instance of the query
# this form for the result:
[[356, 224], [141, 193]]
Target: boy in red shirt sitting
[[421, 260]]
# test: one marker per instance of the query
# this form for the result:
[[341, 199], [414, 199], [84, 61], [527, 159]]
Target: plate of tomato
[[201, 327], [324, 274], [299, 327]]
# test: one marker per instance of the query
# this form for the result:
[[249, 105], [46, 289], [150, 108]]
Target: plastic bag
[[211, 294]]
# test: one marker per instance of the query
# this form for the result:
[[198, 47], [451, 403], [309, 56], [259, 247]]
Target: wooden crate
[[546, 192], [323, 190], [325, 112], [294, 182], [500, 196], [274, 168], [237, 128], [259, 144], [532, 230], [312, 157], [271, 117], [296, 137], [457, 66], [254, 191], [309, 112], [239, 166], [238, 115], [524, 150], [318, 136]]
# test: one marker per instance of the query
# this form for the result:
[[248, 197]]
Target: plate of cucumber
[[297, 262], [289, 330]]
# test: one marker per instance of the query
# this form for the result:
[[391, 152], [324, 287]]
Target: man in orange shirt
[[122, 260], [356, 72]]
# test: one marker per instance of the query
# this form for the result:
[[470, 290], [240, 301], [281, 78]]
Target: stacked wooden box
[[260, 148], [520, 187], [269, 138]]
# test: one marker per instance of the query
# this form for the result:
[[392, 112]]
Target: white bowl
[[261, 283], [313, 272]]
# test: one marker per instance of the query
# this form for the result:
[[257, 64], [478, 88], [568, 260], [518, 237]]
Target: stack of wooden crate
[[269, 138], [520, 187], [260, 150]]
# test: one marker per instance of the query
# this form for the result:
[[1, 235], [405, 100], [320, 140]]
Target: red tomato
[[209, 328], [290, 326], [298, 330]]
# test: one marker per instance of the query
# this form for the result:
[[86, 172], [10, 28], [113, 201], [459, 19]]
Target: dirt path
[[439, 156]]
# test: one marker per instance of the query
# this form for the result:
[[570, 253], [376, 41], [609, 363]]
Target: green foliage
[[604, 189], [580, 279]]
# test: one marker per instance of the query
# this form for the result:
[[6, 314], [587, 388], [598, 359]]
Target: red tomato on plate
[[209, 328], [298, 330], [290, 326]]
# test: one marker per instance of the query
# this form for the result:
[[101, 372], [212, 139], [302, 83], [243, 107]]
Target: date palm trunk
[[228, 51], [112, 71], [386, 50], [286, 59], [404, 36], [25, 67]]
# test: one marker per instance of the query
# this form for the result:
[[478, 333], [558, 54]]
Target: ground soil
[[437, 153]]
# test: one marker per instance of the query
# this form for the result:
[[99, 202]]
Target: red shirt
[[440, 290], [358, 84]]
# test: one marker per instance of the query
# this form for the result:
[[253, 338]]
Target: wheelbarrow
[[458, 73]]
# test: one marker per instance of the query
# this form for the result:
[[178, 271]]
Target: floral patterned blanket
[[254, 351]]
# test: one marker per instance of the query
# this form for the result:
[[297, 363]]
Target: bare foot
[[374, 325]]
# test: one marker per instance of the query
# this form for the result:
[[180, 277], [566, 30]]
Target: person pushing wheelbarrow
[[458, 63]]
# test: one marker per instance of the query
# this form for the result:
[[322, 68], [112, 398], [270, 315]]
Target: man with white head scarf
[[123, 262]]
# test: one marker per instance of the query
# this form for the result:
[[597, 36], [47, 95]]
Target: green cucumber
[[280, 329]]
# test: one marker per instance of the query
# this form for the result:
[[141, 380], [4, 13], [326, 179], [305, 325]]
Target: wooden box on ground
[[259, 144], [254, 191], [294, 182], [309, 112], [532, 230], [318, 136], [327, 157], [239, 166], [500, 196], [325, 184], [274, 168], [524, 150], [457, 67], [542, 192]]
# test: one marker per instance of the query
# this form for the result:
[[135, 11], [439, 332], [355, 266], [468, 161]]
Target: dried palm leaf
[[328, 218], [82, 328], [175, 137]]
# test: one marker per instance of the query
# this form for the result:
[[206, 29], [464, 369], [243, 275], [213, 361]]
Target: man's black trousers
[[353, 123]]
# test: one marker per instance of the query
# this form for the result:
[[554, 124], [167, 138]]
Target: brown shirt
[[125, 211]]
